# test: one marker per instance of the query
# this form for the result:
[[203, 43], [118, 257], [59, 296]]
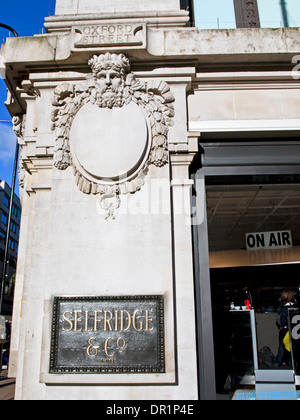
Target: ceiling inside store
[[235, 210]]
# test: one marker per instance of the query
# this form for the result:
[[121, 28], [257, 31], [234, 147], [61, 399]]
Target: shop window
[[254, 244]]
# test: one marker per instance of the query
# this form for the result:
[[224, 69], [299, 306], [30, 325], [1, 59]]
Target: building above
[[156, 13], [75, 7], [13, 243]]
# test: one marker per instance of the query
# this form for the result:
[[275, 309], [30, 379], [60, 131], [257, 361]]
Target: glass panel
[[268, 207], [233, 348], [294, 327], [219, 14], [279, 13], [261, 204], [2, 237], [214, 14], [6, 200], [4, 219]]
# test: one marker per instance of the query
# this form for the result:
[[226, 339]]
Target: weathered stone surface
[[69, 7], [109, 144], [85, 236]]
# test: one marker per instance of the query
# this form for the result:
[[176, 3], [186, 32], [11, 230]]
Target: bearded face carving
[[110, 87], [108, 73]]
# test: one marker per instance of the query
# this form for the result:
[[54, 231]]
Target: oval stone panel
[[109, 143]]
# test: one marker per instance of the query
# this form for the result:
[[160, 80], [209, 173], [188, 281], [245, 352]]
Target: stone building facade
[[126, 111]]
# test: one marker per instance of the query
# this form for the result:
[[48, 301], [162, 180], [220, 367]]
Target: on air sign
[[269, 240]]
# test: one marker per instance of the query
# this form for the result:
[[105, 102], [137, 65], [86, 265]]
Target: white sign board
[[269, 240], [2, 328]]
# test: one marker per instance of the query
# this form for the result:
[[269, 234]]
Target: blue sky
[[27, 18]]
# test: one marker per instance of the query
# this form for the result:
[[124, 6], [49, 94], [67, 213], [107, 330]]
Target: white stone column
[[181, 185]]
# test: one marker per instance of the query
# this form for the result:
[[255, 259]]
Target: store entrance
[[231, 288], [251, 273]]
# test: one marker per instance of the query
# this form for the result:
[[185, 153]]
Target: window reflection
[[279, 13]]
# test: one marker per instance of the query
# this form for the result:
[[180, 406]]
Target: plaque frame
[[144, 368]]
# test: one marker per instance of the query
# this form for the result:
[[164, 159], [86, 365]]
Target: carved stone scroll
[[19, 128]]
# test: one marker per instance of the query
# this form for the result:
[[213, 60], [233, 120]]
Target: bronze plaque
[[114, 334]]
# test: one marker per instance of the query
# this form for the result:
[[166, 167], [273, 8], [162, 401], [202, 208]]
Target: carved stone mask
[[109, 80]]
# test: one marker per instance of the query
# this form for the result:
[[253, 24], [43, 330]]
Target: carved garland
[[154, 97], [19, 128], [251, 11]]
